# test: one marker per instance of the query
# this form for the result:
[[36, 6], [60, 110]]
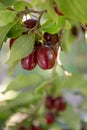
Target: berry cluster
[[58, 104], [44, 52]]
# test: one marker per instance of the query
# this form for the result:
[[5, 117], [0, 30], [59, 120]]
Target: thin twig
[[83, 26], [60, 63]]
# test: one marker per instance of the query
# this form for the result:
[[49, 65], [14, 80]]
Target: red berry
[[49, 103], [21, 128], [50, 118], [47, 37], [53, 38], [30, 23], [35, 128], [45, 57], [11, 42], [56, 9], [60, 104], [29, 62]]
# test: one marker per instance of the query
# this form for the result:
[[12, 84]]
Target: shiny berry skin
[[56, 9], [35, 128], [29, 62], [30, 23], [21, 128], [52, 38], [50, 118], [49, 103], [60, 104], [11, 42], [45, 57]]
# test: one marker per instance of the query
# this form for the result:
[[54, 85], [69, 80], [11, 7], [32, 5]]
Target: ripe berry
[[47, 37], [21, 128], [49, 103], [30, 23], [53, 38], [60, 104], [29, 62], [45, 57], [11, 42], [35, 128], [56, 9], [50, 118]]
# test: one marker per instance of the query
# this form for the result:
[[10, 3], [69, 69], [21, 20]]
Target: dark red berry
[[21, 128], [50, 118], [37, 44], [56, 9], [60, 104], [52, 38], [30, 23], [47, 37], [49, 103], [29, 62], [45, 57], [35, 128], [11, 42]]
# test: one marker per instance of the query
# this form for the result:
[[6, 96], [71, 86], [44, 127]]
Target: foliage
[[26, 93]]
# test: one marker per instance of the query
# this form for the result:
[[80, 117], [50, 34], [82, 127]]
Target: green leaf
[[53, 27], [8, 2], [76, 10], [2, 7], [22, 47], [42, 88], [16, 30], [6, 17], [20, 5], [21, 100], [12, 67], [24, 82], [71, 118], [50, 10], [3, 32]]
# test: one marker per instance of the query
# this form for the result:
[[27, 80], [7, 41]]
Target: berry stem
[[83, 26], [60, 63]]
